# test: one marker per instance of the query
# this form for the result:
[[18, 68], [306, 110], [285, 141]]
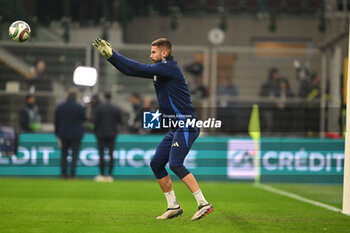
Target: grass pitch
[[52, 205]]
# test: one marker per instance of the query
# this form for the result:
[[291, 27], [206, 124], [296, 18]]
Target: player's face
[[156, 54]]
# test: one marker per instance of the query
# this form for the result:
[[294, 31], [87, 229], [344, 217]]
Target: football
[[19, 31]]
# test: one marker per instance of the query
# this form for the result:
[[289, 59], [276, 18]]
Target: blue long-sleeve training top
[[170, 85]]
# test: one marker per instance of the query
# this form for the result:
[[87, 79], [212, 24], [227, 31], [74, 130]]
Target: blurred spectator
[[226, 91], [198, 90], [135, 119], [283, 93], [29, 118], [195, 68], [148, 104], [271, 87], [310, 88], [9, 141], [38, 80], [107, 117], [284, 113], [69, 118], [94, 104]]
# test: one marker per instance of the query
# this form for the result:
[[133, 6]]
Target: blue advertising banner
[[211, 157], [302, 160], [39, 155]]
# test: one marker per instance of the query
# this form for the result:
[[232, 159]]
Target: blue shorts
[[173, 149]]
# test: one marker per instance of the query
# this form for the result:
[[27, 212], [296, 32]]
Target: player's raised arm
[[128, 66]]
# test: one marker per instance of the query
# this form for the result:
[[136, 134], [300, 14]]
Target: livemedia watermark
[[157, 120]]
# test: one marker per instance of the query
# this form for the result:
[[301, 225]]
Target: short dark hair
[[108, 95], [136, 95], [314, 76], [162, 42], [29, 96], [72, 93]]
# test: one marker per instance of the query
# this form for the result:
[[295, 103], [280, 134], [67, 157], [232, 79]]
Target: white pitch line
[[297, 197]]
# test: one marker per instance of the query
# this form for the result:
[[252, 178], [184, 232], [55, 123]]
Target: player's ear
[[165, 53]]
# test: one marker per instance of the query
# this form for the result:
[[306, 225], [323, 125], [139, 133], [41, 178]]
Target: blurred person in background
[[174, 99], [284, 117], [310, 90], [94, 104], [148, 104], [270, 89], [38, 79], [198, 89], [107, 118], [29, 117], [135, 118], [227, 93], [283, 93], [272, 86], [69, 119]]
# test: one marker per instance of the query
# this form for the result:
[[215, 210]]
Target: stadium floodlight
[[85, 76]]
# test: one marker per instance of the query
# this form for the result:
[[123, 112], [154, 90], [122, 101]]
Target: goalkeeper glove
[[103, 47]]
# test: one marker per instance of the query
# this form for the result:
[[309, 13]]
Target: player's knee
[[180, 171], [154, 165], [158, 169]]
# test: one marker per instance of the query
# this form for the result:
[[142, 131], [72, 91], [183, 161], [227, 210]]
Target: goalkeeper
[[174, 99]]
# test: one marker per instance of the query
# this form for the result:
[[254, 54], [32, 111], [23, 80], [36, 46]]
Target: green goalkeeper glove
[[103, 47]]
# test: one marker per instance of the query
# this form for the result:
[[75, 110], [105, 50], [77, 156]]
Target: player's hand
[[103, 47]]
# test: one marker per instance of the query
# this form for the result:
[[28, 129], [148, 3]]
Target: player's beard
[[157, 60]]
